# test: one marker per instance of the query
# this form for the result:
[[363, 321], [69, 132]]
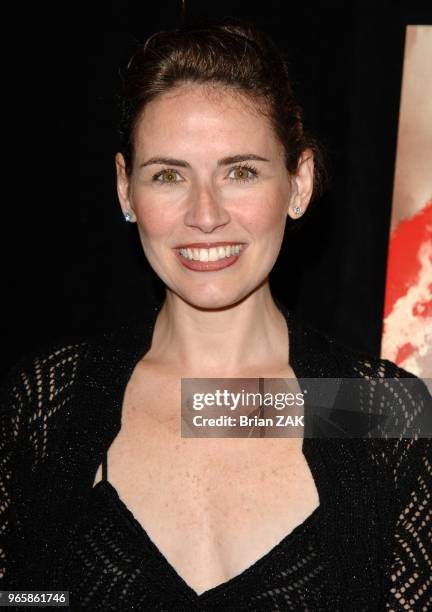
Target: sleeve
[[410, 572], [35, 397], [15, 397]]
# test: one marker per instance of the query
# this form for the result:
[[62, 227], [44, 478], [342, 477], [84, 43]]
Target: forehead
[[199, 118]]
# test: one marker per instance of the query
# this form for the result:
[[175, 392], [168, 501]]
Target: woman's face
[[209, 174]]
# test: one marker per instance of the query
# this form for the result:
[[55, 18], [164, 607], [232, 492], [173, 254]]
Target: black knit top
[[366, 547]]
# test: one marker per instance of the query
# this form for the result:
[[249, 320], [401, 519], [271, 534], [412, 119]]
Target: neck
[[249, 336]]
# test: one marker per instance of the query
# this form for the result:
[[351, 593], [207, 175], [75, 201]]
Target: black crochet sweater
[[366, 547]]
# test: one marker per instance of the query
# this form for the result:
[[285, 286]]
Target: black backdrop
[[70, 263]]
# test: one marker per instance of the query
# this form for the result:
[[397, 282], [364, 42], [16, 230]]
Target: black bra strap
[[105, 467]]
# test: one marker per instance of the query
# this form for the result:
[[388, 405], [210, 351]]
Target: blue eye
[[167, 172], [247, 173]]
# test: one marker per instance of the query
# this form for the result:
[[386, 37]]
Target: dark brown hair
[[227, 52]]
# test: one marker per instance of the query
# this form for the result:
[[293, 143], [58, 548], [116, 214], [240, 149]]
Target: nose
[[205, 211]]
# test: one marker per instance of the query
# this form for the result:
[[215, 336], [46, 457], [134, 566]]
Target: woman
[[103, 497]]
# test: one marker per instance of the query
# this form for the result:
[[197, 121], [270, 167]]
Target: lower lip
[[208, 266]]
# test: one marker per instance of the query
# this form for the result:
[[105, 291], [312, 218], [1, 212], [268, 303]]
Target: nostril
[[207, 218]]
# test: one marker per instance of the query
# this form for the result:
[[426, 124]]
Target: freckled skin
[[202, 126], [222, 502]]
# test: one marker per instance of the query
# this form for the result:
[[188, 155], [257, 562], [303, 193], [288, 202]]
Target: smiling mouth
[[216, 253], [208, 259]]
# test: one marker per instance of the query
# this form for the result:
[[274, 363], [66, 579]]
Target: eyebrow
[[225, 161]]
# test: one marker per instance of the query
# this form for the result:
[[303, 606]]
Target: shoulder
[[46, 364], [323, 355], [400, 394], [353, 362], [406, 397], [44, 372], [37, 390], [37, 385], [401, 401], [331, 356], [402, 444]]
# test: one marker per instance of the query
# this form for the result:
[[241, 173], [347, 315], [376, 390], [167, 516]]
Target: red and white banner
[[407, 330]]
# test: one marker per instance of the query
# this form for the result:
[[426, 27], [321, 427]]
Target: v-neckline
[[142, 336], [111, 496]]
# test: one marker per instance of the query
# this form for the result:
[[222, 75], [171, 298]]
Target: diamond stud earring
[[127, 216], [297, 210]]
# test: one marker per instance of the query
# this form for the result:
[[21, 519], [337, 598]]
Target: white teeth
[[213, 254]]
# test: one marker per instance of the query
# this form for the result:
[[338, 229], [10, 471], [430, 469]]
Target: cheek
[[267, 216], [154, 222]]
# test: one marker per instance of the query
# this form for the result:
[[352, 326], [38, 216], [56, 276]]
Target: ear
[[302, 183], [123, 186]]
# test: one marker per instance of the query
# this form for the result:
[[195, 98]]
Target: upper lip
[[206, 245]]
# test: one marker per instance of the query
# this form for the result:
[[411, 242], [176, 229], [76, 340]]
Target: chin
[[211, 298]]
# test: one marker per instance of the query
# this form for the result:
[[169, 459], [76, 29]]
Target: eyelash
[[245, 167], [251, 169]]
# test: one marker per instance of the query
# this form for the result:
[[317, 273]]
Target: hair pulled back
[[226, 52]]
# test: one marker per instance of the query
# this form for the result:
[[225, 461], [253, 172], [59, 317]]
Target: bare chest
[[212, 506]]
